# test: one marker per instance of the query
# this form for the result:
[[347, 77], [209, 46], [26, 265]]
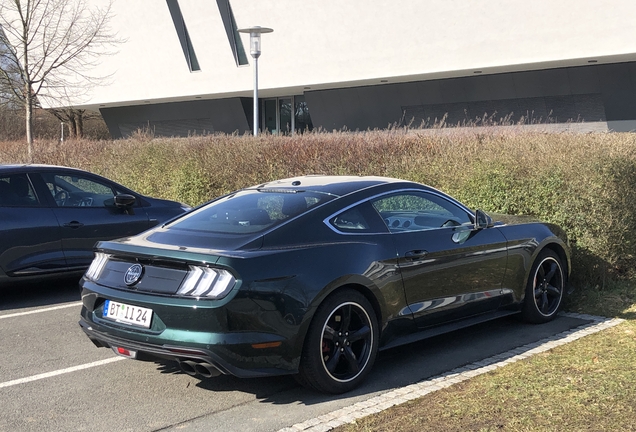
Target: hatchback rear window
[[250, 211]]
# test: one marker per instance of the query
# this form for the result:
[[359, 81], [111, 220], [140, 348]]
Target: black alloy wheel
[[341, 344], [546, 286]]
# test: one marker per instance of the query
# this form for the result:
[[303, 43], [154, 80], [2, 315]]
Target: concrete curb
[[398, 396]]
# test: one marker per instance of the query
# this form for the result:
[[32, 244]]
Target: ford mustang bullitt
[[313, 275]]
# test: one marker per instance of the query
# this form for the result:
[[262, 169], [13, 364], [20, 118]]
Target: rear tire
[[545, 288], [341, 344]]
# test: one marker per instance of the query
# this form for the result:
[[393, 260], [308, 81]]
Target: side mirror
[[124, 200], [482, 220]]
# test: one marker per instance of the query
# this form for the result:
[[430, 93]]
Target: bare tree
[[8, 69], [51, 47], [71, 116], [74, 118]]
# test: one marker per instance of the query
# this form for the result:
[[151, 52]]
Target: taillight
[[207, 282], [96, 267]]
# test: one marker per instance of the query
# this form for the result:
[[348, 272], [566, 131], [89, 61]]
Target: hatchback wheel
[[546, 285], [341, 344]]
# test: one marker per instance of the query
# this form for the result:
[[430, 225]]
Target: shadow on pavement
[[404, 365], [280, 402], [29, 295]]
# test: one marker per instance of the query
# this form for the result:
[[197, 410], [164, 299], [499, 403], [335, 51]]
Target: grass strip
[[585, 385]]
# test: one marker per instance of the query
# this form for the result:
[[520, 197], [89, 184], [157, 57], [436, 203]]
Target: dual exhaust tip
[[194, 368]]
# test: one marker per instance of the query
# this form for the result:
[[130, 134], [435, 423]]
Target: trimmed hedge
[[584, 182]]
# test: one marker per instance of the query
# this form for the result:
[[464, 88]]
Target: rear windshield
[[249, 211]]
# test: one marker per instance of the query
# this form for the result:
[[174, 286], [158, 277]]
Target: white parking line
[[59, 372], [41, 310]]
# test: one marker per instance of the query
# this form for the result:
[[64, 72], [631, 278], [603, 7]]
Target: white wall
[[329, 43]]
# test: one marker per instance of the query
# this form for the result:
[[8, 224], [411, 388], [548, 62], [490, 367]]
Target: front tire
[[341, 344], [545, 288]]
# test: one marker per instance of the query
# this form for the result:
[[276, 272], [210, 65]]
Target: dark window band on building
[[535, 110], [232, 32], [184, 37]]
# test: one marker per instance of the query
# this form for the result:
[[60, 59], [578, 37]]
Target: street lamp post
[[255, 51]]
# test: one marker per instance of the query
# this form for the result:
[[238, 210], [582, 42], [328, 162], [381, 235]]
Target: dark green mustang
[[313, 275]]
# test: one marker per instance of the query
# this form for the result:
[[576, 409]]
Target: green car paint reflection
[[311, 276]]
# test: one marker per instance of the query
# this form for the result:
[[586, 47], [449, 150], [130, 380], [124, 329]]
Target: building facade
[[361, 64]]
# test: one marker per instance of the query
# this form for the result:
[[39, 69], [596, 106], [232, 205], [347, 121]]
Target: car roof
[[335, 185], [34, 167]]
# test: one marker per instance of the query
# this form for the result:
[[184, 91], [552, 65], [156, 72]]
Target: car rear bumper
[[236, 340], [264, 363]]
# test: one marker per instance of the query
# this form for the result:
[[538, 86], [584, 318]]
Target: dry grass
[[587, 385]]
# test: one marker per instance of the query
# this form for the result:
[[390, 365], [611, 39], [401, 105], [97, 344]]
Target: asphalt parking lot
[[53, 378]]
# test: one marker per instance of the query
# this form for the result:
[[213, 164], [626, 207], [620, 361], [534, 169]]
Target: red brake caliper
[[325, 347]]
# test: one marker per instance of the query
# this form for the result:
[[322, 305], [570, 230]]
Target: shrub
[[584, 182]]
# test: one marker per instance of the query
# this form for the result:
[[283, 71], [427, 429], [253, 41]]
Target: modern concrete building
[[360, 64]]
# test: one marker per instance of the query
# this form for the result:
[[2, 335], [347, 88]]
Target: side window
[[76, 191], [413, 211], [16, 191]]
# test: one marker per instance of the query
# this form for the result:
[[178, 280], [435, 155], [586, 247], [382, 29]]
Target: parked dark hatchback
[[51, 217], [313, 275]]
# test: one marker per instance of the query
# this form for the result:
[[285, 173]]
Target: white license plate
[[133, 315]]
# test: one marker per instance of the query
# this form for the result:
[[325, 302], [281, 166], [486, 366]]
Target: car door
[[85, 209], [30, 236], [449, 269]]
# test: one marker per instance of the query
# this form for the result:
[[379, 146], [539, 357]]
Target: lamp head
[[255, 44], [255, 38]]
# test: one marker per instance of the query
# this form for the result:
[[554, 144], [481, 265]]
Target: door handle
[[415, 254], [73, 224]]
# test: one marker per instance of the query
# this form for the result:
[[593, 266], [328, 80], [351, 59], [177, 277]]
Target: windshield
[[250, 211]]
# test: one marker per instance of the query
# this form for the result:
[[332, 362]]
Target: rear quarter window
[[361, 219]]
